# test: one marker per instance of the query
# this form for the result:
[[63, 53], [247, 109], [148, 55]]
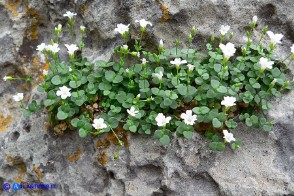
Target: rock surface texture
[[31, 153]]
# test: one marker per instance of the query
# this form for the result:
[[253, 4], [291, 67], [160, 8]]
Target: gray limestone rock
[[30, 152]]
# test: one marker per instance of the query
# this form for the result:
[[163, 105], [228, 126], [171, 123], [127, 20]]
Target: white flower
[[224, 29], [63, 92], [144, 61], [265, 63], [162, 120], [178, 62], [42, 47], [229, 137], [254, 19], [161, 43], [143, 23], [228, 50], [5, 78], [82, 28], [45, 72], [18, 97], [69, 14], [127, 70], [138, 54], [122, 29], [152, 98], [132, 111], [69, 69], [138, 96], [190, 67], [229, 101], [53, 48], [158, 75], [188, 117], [71, 48], [99, 124], [275, 38], [125, 47], [292, 49]]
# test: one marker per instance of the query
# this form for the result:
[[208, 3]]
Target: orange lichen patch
[[102, 158], [76, 156], [13, 4], [165, 12], [32, 31], [102, 144], [5, 122], [122, 135], [84, 9], [14, 13], [38, 172], [20, 165], [37, 69]]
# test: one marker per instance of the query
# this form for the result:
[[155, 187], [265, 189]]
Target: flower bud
[[82, 29], [212, 38], [134, 53], [231, 35], [272, 84], [193, 31]]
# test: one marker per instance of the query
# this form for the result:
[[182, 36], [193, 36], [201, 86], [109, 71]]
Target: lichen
[[38, 172], [20, 165], [5, 122], [165, 11], [76, 156]]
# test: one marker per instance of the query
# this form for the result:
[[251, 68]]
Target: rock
[[30, 152]]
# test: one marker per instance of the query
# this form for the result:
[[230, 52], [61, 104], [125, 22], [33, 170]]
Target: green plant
[[170, 91]]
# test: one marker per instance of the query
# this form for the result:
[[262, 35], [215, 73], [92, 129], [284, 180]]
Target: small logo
[[16, 186], [6, 186]]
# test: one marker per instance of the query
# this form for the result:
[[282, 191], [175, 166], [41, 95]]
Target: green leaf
[[191, 90], [74, 84], [165, 140], [248, 122], [117, 79], [133, 128], [182, 89], [215, 83], [157, 134], [83, 133], [27, 113], [217, 67], [56, 80], [218, 146], [143, 84], [109, 76], [276, 72], [231, 124], [49, 102], [62, 115], [74, 122], [188, 134], [167, 101], [222, 89], [216, 123]]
